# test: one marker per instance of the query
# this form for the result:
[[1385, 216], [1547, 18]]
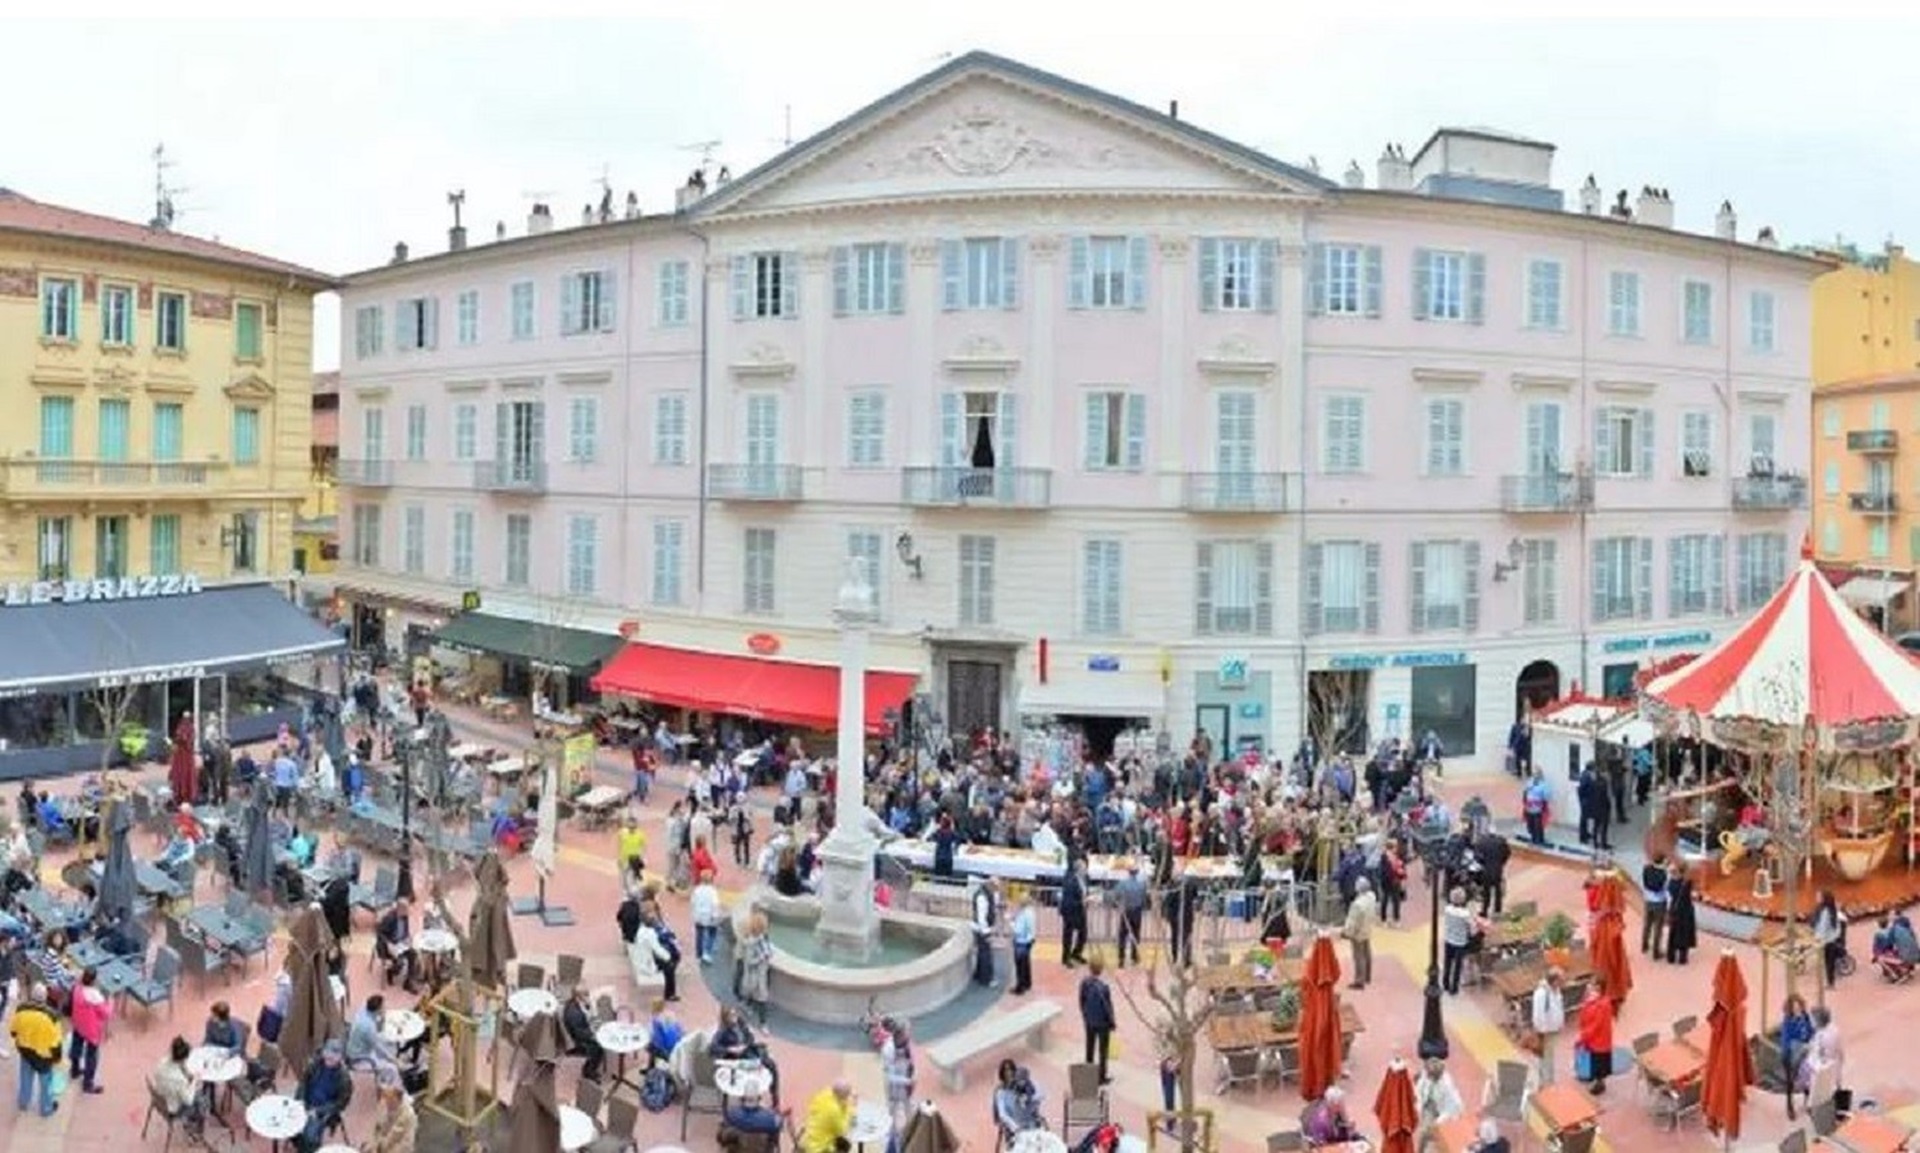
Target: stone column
[[849, 925]]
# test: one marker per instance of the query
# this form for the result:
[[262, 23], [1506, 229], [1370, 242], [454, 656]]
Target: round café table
[[622, 1039], [871, 1123], [741, 1080], [277, 1118], [577, 1130], [527, 1004], [216, 1067], [401, 1026], [338, 1149], [1037, 1141]]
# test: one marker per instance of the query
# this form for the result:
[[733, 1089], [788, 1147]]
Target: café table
[[277, 1118], [527, 1004], [870, 1124], [1240, 977], [216, 1067], [401, 1026], [436, 941], [337, 1148], [89, 953], [742, 1080], [622, 1039], [466, 751], [1457, 1135], [1565, 1108], [577, 1130], [1037, 1141], [1872, 1133], [1672, 1063]]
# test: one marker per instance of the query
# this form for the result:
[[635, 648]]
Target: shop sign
[[1103, 663], [1233, 673], [1252, 711], [763, 644], [1664, 641], [158, 676], [21, 593], [1352, 662], [470, 601]]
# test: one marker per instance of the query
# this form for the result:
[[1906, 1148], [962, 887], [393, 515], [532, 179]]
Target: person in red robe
[[1596, 1038], [181, 774]]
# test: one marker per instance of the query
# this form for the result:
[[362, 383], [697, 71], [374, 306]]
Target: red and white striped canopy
[[1806, 656]]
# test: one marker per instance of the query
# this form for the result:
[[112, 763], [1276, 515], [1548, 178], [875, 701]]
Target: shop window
[[1616, 681], [1443, 701]]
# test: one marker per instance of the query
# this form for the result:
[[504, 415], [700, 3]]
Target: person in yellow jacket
[[37, 1038], [829, 1116]]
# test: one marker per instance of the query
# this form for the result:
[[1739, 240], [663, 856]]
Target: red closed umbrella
[[1611, 968], [1729, 1062], [1319, 1020], [1394, 1107]]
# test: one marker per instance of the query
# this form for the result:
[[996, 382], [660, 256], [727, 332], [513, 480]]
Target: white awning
[[1873, 591], [1095, 695]]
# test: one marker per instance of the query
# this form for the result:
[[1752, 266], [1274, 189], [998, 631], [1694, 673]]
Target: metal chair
[[1825, 1118], [1573, 1140], [195, 1135], [1794, 1142], [1508, 1091], [700, 1094], [588, 1097], [1286, 1141], [157, 985], [1239, 1068], [623, 1117], [526, 976], [1684, 1025], [568, 971], [1085, 1106], [1676, 1101], [198, 960]]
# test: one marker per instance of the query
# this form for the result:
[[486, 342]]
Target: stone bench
[[950, 1054], [941, 898]]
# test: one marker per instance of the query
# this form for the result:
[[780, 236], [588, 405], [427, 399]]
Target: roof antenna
[[787, 141], [164, 210]]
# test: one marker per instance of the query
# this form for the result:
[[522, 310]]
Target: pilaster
[[1042, 390], [919, 402], [1169, 293], [813, 395]]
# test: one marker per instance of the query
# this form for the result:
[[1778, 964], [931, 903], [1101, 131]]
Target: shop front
[[1416, 693], [389, 624], [1232, 704], [1099, 700], [1623, 657], [753, 686], [509, 657], [94, 671]]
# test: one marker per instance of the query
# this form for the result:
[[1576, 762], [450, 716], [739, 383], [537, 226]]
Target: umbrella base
[[552, 916]]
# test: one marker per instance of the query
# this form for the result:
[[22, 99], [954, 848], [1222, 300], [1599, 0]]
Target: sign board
[[1252, 711], [131, 588], [1697, 639], [159, 676], [1233, 672], [470, 601], [1103, 663], [1348, 662], [763, 644]]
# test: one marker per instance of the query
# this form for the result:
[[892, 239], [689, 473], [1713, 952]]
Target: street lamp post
[[1433, 1027], [403, 888]]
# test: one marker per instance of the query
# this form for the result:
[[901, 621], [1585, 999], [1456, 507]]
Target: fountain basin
[[922, 964]]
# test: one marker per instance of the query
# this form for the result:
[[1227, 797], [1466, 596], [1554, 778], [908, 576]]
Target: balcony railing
[[977, 487], [1546, 492], [1769, 493], [1239, 492], [1873, 440], [365, 473], [774, 482], [516, 475], [1875, 503], [106, 480]]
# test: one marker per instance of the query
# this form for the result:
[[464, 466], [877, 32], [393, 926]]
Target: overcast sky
[[325, 142]]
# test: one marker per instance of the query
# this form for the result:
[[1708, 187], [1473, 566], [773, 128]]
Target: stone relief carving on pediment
[[985, 141]]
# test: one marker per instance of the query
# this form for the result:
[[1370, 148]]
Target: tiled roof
[[23, 214]]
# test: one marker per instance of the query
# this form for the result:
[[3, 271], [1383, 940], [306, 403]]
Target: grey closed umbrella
[[313, 1015], [534, 1115], [489, 931], [928, 1132], [116, 875], [256, 863]]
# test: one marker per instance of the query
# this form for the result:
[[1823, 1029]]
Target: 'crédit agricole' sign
[[132, 588]]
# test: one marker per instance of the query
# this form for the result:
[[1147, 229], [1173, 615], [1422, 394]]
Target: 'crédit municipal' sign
[[132, 588]]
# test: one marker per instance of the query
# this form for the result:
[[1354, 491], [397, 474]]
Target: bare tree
[[1336, 710], [112, 701], [1177, 1009], [554, 618], [465, 1005]]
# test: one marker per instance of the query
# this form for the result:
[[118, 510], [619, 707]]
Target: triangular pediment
[[990, 126], [252, 386]]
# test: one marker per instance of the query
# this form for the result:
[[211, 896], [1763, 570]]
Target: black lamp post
[[1433, 1028], [403, 888]]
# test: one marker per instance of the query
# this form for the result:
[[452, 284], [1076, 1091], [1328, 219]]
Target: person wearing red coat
[[181, 770], [1596, 1038]]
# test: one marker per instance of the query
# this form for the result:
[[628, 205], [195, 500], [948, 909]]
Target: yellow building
[[1866, 517], [316, 531], [157, 396], [1866, 315]]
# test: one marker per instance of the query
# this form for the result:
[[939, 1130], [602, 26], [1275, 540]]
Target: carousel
[[1816, 715]]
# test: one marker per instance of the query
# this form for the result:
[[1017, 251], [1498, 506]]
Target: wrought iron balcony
[[107, 479], [774, 482], [520, 474], [977, 487], [1239, 492], [1873, 440], [365, 473], [1875, 503], [1769, 493], [1548, 492]]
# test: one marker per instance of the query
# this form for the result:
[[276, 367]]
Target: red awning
[[774, 690]]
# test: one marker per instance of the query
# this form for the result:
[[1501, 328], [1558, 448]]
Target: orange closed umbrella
[[1729, 1062], [1319, 1020], [1394, 1107], [1610, 966]]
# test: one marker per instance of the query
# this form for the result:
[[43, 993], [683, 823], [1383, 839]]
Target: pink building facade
[[1128, 422]]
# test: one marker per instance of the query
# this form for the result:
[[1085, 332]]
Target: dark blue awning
[[90, 644]]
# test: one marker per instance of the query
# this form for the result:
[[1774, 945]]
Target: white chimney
[[1767, 239], [633, 206], [499, 230], [1726, 225], [400, 252], [1653, 207], [586, 214], [1355, 177], [1590, 197], [539, 221], [1392, 172]]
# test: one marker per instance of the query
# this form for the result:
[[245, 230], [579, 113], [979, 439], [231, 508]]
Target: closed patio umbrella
[[313, 1015], [256, 861], [489, 932], [1319, 1020], [928, 1132], [1729, 1067], [535, 1112], [1612, 972], [1394, 1107], [117, 892]]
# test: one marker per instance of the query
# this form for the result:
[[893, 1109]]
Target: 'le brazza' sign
[[19, 594]]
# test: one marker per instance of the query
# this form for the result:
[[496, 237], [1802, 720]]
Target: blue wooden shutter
[[432, 325], [1096, 449], [1716, 573], [569, 304], [1210, 275], [1005, 454], [502, 438], [1317, 280], [1264, 271], [1417, 586], [950, 432], [1370, 266], [606, 316], [1009, 272], [1470, 582], [1643, 586], [896, 278], [1203, 589], [952, 275], [405, 336], [1263, 589], [1316, 614], [842, 280], [1603, 440], [1422, 281], [1137, 272], [789, 284], [1476, 288], [1079, 263], [1676, 576], [1643, 428], [1371, 590], [538, 453], [1136, 430], [740, 276]]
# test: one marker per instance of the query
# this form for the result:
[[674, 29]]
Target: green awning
[[549, 646]]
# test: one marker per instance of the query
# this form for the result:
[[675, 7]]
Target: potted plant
[[1556, 939], [1286, 1007], [1260, 960]]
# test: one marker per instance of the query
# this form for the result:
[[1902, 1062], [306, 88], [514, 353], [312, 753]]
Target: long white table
[[1027, 865]]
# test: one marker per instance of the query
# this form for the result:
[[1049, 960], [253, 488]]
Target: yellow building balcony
[[1875, 502], [103, 480], [1873, 441]]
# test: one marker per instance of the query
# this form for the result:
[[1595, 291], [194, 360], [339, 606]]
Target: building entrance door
[[973, 696], [1217, 722]]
